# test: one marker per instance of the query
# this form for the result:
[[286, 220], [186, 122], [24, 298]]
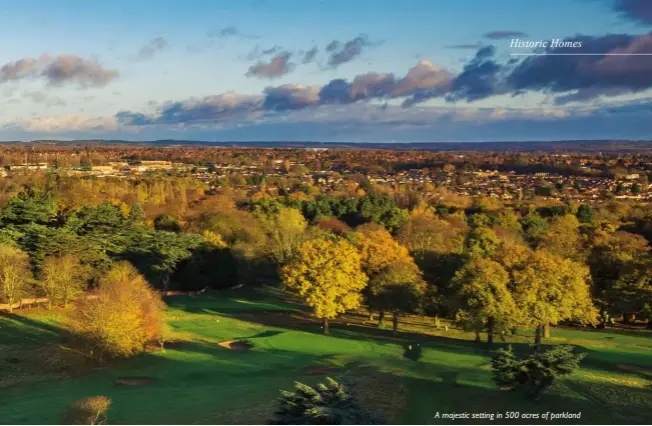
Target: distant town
[[582, 176]]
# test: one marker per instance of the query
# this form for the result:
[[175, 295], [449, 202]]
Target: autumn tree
[[634, 290], [328, 275], [425, 233], [214, 240], [166, 222], [14, 271], [286, 229], [62, 279], [549, 288], [482, 298], [482, 241], [377, 248], [620, 263], [333, 225], [122, 319], [239, 230], [563, 238], [398, 288], [378, 251], [87, 411]]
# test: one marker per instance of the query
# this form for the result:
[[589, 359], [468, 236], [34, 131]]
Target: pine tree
[[326, 404], [537, 372], [507, 369], [544, 367]]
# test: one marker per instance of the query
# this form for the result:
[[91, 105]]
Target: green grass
[[196, 381]]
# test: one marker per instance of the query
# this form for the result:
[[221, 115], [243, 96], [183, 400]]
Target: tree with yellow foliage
[[87, 411], [286, 229], [398, 289], [14, 270], [482, 298], [328, 275], [425, 233], [564, 239], [548, 289], [125, 316], [62, 279], [377, 248], [214, 239]]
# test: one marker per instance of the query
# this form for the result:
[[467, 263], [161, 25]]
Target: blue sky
[[337, 70]]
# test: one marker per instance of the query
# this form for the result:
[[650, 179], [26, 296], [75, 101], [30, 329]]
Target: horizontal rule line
[[580, 54]]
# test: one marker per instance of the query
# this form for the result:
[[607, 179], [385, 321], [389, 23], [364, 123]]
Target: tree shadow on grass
[[446, 391], [294, 319], [20, 329], [198, 381], [625, 364]]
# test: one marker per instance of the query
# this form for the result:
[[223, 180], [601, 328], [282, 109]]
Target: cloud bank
[[59, 70]]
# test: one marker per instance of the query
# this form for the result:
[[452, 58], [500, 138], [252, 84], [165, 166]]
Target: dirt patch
[[133, 381], [322, 370], [236, 345], [635, 368]]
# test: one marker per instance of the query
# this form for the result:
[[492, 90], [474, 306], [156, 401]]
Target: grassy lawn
[[195, 381]]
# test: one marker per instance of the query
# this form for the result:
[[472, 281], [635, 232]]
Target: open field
[[196, 381]]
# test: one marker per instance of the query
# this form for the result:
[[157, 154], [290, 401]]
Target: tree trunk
[[381, 317], [627, 318], [325, 326], [537, 335], [395, 322], [477, 336], [649, 324], [490, 330], [546, 331]]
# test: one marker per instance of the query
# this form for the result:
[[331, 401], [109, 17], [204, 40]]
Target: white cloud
[[64, 124]]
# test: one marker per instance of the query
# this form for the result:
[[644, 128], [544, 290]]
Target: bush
[[537, 372], [88, 411], [326, 404], [412, 351]]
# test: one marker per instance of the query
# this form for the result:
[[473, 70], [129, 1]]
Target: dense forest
[[485, 264]]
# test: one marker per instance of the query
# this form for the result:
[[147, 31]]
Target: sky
[[326, 70]]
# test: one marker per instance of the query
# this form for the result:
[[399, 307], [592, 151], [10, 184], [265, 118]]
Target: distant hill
[[524, 146]]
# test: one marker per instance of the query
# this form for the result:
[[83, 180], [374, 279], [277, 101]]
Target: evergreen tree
[[326, 404], [584, 213], [536, 373], [507, 370]]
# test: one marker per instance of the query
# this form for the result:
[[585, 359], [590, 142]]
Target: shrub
[[412, 351], [88, 411]]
